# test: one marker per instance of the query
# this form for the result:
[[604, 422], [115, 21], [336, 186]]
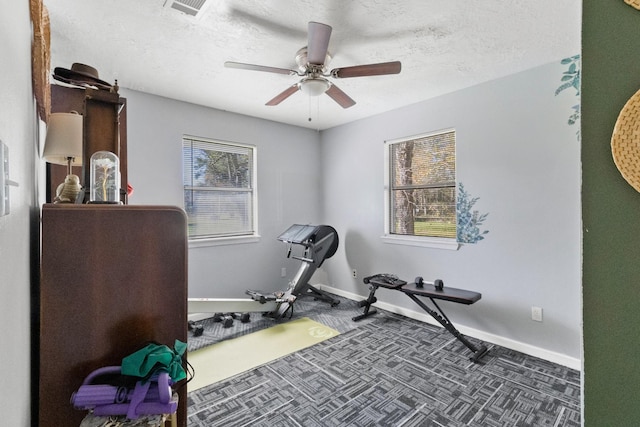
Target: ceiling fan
[[312, 63]]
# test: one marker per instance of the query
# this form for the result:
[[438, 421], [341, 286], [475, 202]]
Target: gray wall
[[18, 231], [515, 152], [289, 179]]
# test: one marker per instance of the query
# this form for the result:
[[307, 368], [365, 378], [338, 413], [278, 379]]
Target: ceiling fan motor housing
[[305, 67]]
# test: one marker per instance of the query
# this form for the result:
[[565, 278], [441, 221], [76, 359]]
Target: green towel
[[153, 358]]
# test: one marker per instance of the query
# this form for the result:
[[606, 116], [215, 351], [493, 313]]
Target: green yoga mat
[[231, 357]]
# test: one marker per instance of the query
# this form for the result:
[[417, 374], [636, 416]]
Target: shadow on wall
[[358, 256], [319, 277]]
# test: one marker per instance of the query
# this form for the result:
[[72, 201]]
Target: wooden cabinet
[[113, 278]]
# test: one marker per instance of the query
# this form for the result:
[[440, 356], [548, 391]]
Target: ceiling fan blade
[[283, 95], [318, 42], [367, 70], [340, 97], [253, 67]]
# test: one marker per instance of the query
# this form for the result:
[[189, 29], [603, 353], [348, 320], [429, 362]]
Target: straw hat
[[625, 142], [633, 3], [80, 74]]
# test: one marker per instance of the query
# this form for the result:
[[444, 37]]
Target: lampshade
[[314, 86], [64, 139]]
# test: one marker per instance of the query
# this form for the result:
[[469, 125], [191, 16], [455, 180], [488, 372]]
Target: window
[[219, 188], [421, 192]]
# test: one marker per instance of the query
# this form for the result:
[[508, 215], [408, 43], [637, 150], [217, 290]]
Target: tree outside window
[[219, 195], [422, 199]]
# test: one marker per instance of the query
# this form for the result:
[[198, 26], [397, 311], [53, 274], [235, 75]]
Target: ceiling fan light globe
[[314, 87]]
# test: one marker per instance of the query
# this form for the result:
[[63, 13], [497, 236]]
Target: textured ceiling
[[444, 45]]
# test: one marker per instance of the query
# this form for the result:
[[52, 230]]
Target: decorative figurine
[[68, 191]]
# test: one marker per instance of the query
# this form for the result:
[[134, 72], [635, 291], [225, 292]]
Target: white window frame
[[230, 240], [448, 243]]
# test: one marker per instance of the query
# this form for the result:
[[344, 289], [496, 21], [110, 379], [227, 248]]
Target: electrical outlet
[[536, 314], [354, 273], [283, 272]]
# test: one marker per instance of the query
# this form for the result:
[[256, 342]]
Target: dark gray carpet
[[390, 371]]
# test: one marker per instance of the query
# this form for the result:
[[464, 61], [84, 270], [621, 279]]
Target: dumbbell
[[225, 318], [438, 283], [196, 328]]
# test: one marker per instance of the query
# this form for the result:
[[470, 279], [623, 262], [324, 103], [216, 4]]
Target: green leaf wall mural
[[469, 220], [571, 79]]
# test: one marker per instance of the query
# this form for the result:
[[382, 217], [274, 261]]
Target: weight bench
[[420, 289]]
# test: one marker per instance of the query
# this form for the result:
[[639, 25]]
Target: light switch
[[5, 182]]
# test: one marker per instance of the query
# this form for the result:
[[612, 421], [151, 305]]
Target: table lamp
[[63, 146]]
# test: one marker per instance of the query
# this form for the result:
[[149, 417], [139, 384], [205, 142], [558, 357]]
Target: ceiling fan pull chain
[[317, 115]]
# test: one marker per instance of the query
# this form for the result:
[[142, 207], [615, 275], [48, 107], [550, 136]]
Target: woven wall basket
[[625, 142], [634, 3]]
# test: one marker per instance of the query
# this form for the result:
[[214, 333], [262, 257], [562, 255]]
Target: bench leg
[[439, 315], [368, 311]]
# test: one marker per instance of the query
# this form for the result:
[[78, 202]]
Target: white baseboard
[[196, 317], [551, 356]]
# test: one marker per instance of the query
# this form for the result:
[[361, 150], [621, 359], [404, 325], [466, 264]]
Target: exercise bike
[[319, 242]]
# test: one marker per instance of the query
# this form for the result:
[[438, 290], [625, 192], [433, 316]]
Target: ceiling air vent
[[190, 7]]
